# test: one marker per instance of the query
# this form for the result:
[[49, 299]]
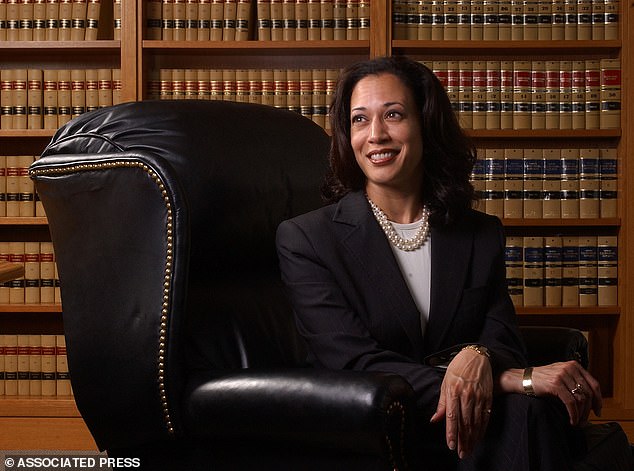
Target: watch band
[[527, 381], [482, 350]]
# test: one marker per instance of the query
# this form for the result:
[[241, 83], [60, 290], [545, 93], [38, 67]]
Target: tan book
[[117, 19], [314, 20], [491, 20], [505, 21], [49, 99], [570, 183], [20, 98], [340, 22], [229, 20], [522, 99], [255, 86], [570, 28], [12, 186], [411, 19], [6, 98], [538, 95], [452, 74], [52, 20], [533, 183], [479, 92], [494, 182], [78, 92], [552, 97], [306, 93], [514, 259], [268, 87], [25, 10], [153, 19], [167, 21], [565, 94], [589, 183], [229, 85], [35, 115], [26, 187], [584, 19], [13, 20], [598, 19], [438, 20], [35, 365], [4, 286], [117, 86], [399, 19], [65, 20], [24, 388], [191, 84], [493, 92], [179, 20], [243, 20], [202, 84], [611, 19], [39, 20], [301, 20], [3, 198], [327, 19], [204, 20], [588, 274], [477, 20], [319, 97], [363, 23], [293, 94], [545, 20], [2, 368], [578, 94], [465, 94], [3, 32], [217, 20], [178, 84], [92, 89], [105, 87], [191, 20], [450, 12], [531, 20], [558, 32], [533, 271], [16, 255], [242, 85], [11, 365], [47, 273], [464, 20], [610, 117], [607, 271], [263, 12], [63, 96], [553, 271], [608, 166], [49, 366], [280, 86], [513, 183], [215, 85], [78, 20], [290, 23], [62, 376], [551, 206], [478, 180]]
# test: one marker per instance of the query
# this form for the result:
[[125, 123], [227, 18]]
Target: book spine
[[10, 365], [179, 20], [584, 19], [545, 20], [191, 20], [479, 92], [117, 85], [242, 85], [20, 98], [531, 20], [65, 20], [52, 20], [314, 20], [255, 86], [3, 191], [319, 97], [39, 20], [493, 93], [514, 260], [570, 183], [464, 20], [570, 271], [521, 95], [533, 271], [153, 19], [565, 94], [553, 269], [505, 21], [513, 183], [243, 20], [25, 11], [78, 92], [13, 186], [116, 19], [47, 273], [13, 20], [465, 94], [588, 282], [5, 286], [478, 180], [608, 176], [63, 96], [477, 20], [450, 13], [105, 87], [578, 94], [611, 29], [2, 364], [538, 93], [494, 182], [559, 20], [570, 27], [203, 24], [533, 183], [167, 21], [598, 19], [293, 92], [50, 99], [607, 270], [327, 19], [217, 18], [552, 95], [289, 22], [92, 89], [610, 116], [62, 377], [264, 19], [35, 365], [593, 94], [491, 20], [551, 205], [23, 365], [6, 99], [34, 99], [589, 183], [229, 85], [78, 20], [49, 366], [26, 187], [363, 22]]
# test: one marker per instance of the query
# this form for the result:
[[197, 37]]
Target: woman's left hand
[[465, 400]]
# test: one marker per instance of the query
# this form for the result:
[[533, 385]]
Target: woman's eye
[[393, 114], [357, 119]]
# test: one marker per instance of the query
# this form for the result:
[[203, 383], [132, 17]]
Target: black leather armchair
[[182, 347]]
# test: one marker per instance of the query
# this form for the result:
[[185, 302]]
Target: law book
[[92, 89], [570, 183], [411, 19], [167, 20], [215, 84], [178, 84], [551, 194], [513, 183], [52, 20], [493, 88], [544, 20], [263, 15], [290, 23], [610, 116], [400, 19], [306, 92], [611, 30], [25, 10], [20, 98], [4, 286], [35, 98], [533, 271], [191, 20], [63, 96], [117, 86], [514, 261], [478, 180], [153, 19], [203, 24], [332, 75], [531, 20], [479, 92], [13, 20], [3, 21], [517, 18], [533, 183], [552, 96], [65, 20], [570, 28], [593, 94], [538, 95], [607, 270], [559, 20], [314, 20], [598, 20], [26, 187], [465, 94], [494, 181], [10, 365], [6, 98], [450, 13], [570, 271], [93, 13], [62, 377], [39, 20], [47, 273], [16, 286], [589, 183], [78, 20], [242, 86], [105, 87], [327, 19], [268, 87], [553, 271], [505, 21], [608, 176], [78, 92], [3, 189], [463, 10], [584, 19], [279, 79], [229, 85], [217, 20], [491, 20], [438, 20], [23, 365], [49, 366], [116, 19], [477, 20], [243, 20], [179, 20], [255, 86], [35, 365], [363, 22], [565, 94], [49, 98], [588, 274], [506, 94], [578, 94], [340, 22], [58, 294], [319, 97], [452, 74], [12, 186], [2, 367], [522, 100]]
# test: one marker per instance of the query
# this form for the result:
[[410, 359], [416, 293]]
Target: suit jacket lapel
[[451, 248], [373, 259]]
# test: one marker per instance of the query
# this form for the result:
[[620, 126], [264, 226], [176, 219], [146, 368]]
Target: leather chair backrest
[[163, 216]]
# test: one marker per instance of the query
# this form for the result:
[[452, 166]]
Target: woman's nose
[[378, 130]]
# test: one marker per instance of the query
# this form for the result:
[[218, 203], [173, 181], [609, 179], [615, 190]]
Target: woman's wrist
[[511, 381]]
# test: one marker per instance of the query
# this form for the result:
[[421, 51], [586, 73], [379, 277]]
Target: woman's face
[[385, 133]]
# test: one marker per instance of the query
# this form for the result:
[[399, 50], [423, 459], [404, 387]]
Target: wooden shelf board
[[545, 133], [258, 47], [525, 222], [93, 46], [23, 221], [30, 133], [38, 308], [36, 406], [512, 48], [568, 311]]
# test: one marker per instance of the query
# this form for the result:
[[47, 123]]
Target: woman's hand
[[568, 381], [465, 401]]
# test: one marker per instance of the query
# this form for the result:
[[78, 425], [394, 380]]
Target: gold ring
[[577, 389], [488, 411]]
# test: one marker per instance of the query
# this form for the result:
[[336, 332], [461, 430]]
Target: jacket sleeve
[[336, 336]]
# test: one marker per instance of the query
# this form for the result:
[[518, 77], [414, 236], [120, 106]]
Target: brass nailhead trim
[[398, 408], [168, 260]]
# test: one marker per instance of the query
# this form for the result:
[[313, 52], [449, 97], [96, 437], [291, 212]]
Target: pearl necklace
[[399, 242]]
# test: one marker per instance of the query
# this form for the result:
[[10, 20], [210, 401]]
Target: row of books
[[40, 283], [306, 91], [547, 183], [264, 20], [50, 20], [34, 365], [17, 191], [46, 99], [562, 271], [506, 20], [524, 94]]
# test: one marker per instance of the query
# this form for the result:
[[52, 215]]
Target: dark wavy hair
[[448, 154]]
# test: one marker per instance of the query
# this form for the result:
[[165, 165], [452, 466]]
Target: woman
[[399, 267]]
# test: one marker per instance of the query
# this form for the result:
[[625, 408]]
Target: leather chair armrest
[[552, 344], [344, 410]]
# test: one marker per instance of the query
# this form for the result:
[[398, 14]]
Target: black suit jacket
[[354, 308]]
